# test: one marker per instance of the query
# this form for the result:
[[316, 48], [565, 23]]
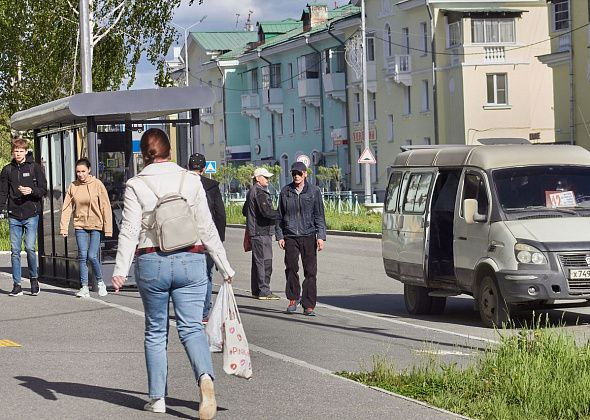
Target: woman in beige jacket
[[88, 199]]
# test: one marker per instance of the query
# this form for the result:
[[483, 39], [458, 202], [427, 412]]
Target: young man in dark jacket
[[197, 163], [301, 231], [22, 187], [260, 222]]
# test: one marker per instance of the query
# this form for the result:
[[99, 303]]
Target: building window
[[317, 118], [424, 37], [212, 134], [487, 31], [254, 81], [561, 14], [390, 128], [407, 100], [304, 117], [405, 40], [425, 96], [308, 66], [275, 76], [372, 106], [291, 120], [370, 46], [357, 107], [387, 52], [290, 73], [454, 36], [427, 141], [257, 127], [278, 124], [497, 89]]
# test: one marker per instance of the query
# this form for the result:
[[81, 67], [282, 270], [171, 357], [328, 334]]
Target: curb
[[329, 232]]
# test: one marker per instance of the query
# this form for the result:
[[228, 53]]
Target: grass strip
[[534, 374]]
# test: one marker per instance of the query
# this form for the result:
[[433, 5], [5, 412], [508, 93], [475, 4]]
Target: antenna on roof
[[249, 26], [237, 19]]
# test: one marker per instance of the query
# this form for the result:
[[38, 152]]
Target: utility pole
[[367, 168], [85, 47]]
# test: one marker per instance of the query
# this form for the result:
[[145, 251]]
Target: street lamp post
[[185, 29], [367, 167]]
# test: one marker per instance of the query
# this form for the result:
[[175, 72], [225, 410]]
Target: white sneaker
[[207, 405], [102, 289], [157, 405], [84, 292]]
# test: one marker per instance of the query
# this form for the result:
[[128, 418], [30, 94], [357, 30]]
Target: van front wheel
[[493, 309], [417, 300]]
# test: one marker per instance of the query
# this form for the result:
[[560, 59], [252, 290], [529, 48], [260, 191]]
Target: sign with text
[[359, 136]]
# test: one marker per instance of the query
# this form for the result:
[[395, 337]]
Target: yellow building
[[570, 61], [454, 72]]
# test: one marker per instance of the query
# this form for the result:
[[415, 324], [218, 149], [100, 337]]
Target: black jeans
[[305, 246]]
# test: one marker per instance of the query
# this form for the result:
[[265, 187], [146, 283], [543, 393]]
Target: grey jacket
[[260, 216], [301, 214]]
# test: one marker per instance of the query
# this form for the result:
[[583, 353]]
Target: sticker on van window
[[556, 199]]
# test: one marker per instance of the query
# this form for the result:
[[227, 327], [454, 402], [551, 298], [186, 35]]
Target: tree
[[329, 174], [225, 175], [39, 43]]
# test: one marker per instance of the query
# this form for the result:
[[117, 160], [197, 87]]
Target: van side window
[[417, 194], [475, 187], [393, 192]]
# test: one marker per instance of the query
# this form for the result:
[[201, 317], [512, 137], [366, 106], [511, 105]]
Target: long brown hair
[[154, 144]]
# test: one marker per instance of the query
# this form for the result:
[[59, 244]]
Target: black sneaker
[[35, 289], [17, 290]]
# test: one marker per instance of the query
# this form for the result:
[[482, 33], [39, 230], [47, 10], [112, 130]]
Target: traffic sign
[[305, 159], [367, 157], [211, 167]]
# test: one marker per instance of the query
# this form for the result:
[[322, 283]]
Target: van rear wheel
[[493, 309], [417, 300]]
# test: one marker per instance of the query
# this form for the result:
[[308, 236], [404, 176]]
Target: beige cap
[[262, 172]]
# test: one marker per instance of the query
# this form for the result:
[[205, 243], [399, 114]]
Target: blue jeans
[[88, 242], [29, 228], [207, 305], [181, 276]]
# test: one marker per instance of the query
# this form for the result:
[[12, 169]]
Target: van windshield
[[563, 189]]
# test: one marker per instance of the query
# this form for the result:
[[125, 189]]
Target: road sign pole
[[367, 168]]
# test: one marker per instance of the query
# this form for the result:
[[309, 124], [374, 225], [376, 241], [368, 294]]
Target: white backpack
[[173, 220]]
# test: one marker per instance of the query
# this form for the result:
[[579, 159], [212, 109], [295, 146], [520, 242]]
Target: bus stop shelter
[[104, 127]]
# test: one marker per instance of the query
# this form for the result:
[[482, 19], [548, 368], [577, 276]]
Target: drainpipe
[[223, 93], [272, 120], [322, 125], [434, 84], [571, 77]]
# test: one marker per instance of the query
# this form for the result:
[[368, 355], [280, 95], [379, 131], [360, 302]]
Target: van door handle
[[462, 238]]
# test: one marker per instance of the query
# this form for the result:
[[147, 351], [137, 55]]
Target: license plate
[[579, 274]]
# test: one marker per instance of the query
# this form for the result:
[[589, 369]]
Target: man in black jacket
[[301, 231], [260, 222], [22, 187], [197, 163]]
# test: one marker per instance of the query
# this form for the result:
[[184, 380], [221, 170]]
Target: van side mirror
[[470, 212]]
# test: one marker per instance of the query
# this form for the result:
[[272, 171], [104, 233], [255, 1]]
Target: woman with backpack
[[180, 274], [88, 199]]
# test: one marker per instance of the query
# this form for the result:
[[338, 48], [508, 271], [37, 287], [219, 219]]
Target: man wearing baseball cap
[[301, 231], [197, 163], [260, 223]]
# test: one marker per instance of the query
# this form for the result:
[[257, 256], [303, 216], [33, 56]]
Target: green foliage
[[330, 175], [244, 174], [535, 374]]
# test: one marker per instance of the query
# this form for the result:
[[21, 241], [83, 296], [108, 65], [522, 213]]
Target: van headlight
[[527, 254]]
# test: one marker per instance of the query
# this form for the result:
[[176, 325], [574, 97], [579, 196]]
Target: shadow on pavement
[[50, 390]]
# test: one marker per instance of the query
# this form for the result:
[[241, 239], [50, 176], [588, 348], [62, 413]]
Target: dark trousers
[[307, 248], [261, 265]]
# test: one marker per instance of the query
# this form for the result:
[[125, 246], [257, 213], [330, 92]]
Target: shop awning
[[117, 106]]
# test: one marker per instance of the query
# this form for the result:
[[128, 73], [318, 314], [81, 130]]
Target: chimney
[[317, 14]]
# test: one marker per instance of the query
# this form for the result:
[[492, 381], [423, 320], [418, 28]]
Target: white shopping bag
[[214, 328], [236, 353]]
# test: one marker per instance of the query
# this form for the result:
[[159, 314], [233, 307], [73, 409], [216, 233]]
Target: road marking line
[[444, 353], [8, 343]]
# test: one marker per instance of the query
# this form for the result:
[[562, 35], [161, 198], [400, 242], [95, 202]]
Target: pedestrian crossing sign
[[367, 157], [211, 167]]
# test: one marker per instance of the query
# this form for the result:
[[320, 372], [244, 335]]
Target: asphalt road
[[84, 358]]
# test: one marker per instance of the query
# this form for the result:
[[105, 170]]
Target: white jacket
[[140, 202]]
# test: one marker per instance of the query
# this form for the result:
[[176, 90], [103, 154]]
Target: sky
[[221, 16]]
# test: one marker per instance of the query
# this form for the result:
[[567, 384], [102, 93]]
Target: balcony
[[494, 55], [251, 105], [399, 69], [334, 86], [309, 91], [357, 79], [272, 100], [207, 115]]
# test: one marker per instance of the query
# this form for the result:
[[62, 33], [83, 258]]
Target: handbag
[[247, 241], [236, 353]]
